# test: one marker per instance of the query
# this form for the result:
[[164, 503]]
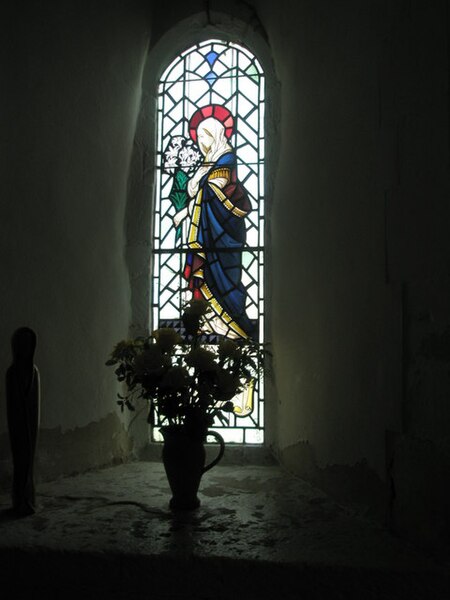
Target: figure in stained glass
[[216, 210]]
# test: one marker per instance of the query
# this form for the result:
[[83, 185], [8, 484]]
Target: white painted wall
[[336, 320], [73, 83]]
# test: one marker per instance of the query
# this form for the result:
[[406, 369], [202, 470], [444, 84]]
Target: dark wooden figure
[[23, 405]]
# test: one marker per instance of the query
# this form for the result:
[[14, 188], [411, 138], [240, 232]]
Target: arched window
[[210, 146]]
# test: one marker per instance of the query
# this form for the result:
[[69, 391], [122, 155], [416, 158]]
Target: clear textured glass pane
[[254, 436], [157, 435], [247, 155], [252, 311], [224, 87], [248, 134], [261, 181], [176, 68], [173, 91], [253, 120], [232, 435], [247, 110], [247, 259], [261, 229], [262, 149], [252, 237], [253, 218], [251, 184], [261, 411], [244, 61], [194, 60], [249, 88], [200, 73]]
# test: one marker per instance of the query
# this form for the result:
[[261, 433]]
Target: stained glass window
[[208, 230]]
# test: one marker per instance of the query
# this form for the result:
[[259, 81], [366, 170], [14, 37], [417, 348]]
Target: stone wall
[[72, 74]]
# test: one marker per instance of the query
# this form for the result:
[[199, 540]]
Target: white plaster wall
[[416, 101], [336, 319], [74, 72]]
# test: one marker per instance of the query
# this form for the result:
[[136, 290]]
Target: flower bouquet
[[186, 382]]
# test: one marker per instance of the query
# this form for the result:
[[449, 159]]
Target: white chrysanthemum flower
[[177, 141], [188, 157]]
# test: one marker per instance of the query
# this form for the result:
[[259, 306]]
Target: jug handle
[[219, 438]]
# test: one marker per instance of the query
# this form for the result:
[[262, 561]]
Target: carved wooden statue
[[23, 403]]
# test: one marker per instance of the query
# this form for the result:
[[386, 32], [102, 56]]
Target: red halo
[[220, 113]]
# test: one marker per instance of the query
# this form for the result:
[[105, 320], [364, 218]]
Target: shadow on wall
[[420, 473], [356, 485], [413, 504], [101, 443]]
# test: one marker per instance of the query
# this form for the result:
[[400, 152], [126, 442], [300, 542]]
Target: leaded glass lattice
[[208, 238]]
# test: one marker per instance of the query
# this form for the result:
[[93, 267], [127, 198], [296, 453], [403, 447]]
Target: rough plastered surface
[[258, 533]]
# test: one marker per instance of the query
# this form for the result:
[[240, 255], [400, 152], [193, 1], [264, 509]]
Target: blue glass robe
[[216, 237]]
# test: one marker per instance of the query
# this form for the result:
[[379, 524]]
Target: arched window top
[[216, 72], [208, 239], [202, 60]]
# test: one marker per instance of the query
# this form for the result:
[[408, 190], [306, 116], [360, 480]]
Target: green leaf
[[247, 373], [178, 199], [252, 364], [181, 179], [129, 405], [120, 370]]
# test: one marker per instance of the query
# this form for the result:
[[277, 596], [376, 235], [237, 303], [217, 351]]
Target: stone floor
[[259, 533]]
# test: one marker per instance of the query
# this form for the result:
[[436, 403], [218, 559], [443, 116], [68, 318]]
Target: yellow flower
[[176, 378], [122, 348], [197, 307], [150, 362], [228, 349], [227, 385], [167, 338], [123, 345], [202, 360]]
